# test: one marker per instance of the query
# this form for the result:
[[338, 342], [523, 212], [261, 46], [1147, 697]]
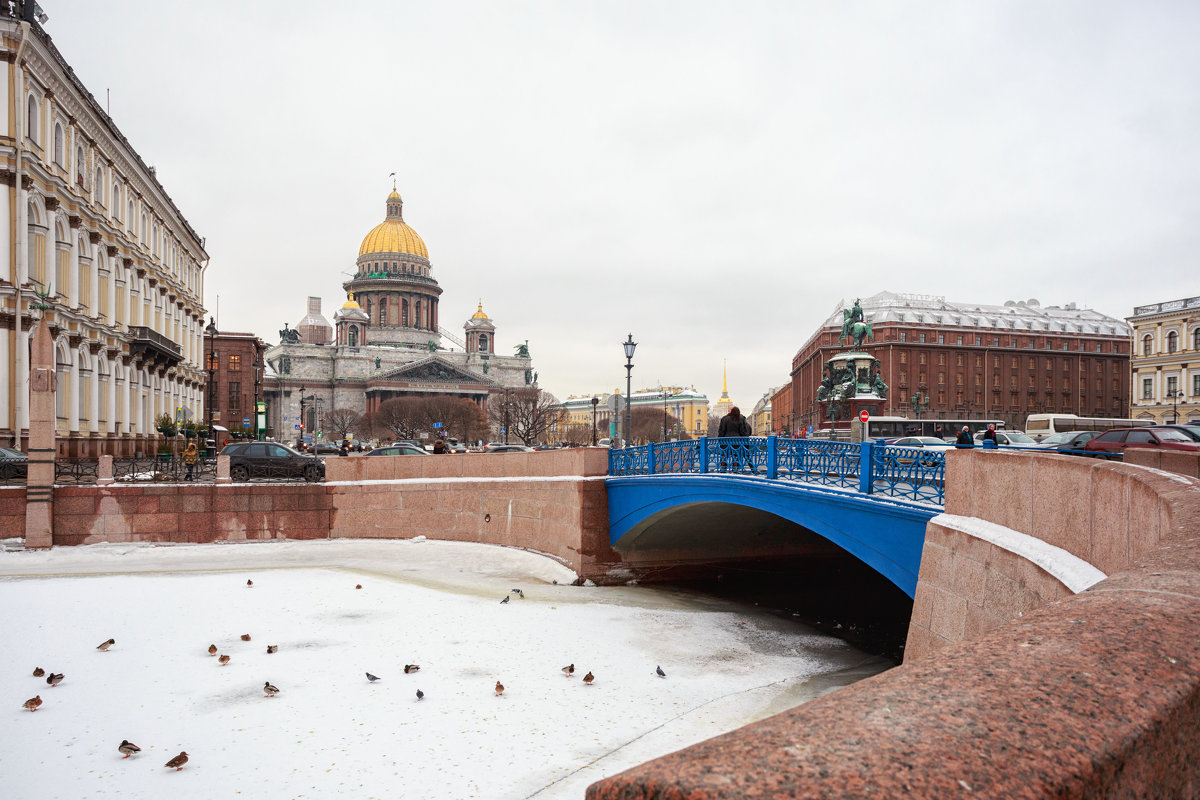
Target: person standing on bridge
[[990, 433], [964, 438], [732, 424]]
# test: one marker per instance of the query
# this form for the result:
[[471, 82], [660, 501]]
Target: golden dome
[[393, 235], [351, 303], [479, 314]]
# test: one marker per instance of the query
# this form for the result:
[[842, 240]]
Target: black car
[[1070, 442], [1192, 431], [13, 464], [271, 460], [326, 448]]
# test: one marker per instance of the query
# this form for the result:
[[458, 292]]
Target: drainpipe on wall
[[20, 354]]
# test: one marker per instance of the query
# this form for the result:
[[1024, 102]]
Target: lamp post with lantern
[[595, 402], [630, 345]]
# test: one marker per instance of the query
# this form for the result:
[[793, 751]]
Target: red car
[[1112, 443]]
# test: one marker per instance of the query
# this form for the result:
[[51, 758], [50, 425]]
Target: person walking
[[990, 433], [732, 424], [964, 438], [439, 447], [190, 457]]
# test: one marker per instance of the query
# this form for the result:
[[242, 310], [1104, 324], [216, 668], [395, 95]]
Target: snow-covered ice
[[330, 732]]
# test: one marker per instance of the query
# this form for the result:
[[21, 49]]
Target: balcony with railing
[[153, 345]]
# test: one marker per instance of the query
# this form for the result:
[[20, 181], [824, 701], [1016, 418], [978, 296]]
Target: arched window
[[483, 343], [354, 336], [80, 165], [32, 129], [1147, 345], [382, 311], [99, 186], [1196, 339], [1172, 342], [60, 155], [129, 218], [368, 309], [404, 313]]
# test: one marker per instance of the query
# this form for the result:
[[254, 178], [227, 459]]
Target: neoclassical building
[[88, 232], [385, 341], [1166, 361]]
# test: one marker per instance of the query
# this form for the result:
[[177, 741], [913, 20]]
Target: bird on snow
[[103, 646], [33, 703], [568, 671], [270, 690], [519, 593], [249, 584], [411, 668], [589, 678], [54, 679], [128, 748], [499, 688], [212, 649], [372, 678], [224, 660], [245, 637], [658, 671], [505, 600], [38, 672], [358, 586], [272, 648], [178, 761], [420, 694]]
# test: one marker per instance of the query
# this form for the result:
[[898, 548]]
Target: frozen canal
[[330, 732]]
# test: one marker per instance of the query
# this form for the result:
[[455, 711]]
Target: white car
[[1016, 438], [928, 442]]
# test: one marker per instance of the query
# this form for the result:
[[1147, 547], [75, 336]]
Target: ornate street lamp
[[630, 345], [300, 440], [1174, 395], [595, 402], [920, 403], [211, 330]]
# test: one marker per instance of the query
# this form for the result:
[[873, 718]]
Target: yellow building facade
[[683, 403], [1166, 361]]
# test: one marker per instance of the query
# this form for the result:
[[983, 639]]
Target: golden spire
[[724, 377]]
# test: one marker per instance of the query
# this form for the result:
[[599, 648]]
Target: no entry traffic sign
[[863, 415]]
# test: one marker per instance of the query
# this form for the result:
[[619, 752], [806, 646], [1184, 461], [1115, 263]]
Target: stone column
[[104, 474], [39, 487], [72, 390]]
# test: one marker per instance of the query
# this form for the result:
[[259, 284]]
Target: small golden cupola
[[350, 323], [481, 333]]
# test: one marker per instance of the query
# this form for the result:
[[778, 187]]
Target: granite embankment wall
[[552, 502], [1058, 694]]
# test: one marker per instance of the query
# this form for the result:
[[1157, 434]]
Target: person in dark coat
[[439, 447], [990, 433], [732, 424], [964, 438]]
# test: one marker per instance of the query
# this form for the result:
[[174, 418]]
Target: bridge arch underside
[[676, 519]]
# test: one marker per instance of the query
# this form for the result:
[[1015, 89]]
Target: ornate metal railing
[[13, 471], [170, 469], [69, 471], [908, 472]]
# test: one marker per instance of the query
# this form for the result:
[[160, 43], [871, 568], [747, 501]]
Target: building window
[[958, 379], [60, 155], [235, 396], [1033, 363], [383, 311], [958, 398], [924, 358], [1147, 345], [1013, 365], [32, 129], [1147, 388], [353, 337], [904, 357], [978, 379], [941, 338], [941, 399], [995, 380], [995, 341], [904, 378], [213, 362], [1196, 339], [1196, 385], [941, 359], [979, 361], [1172, 386], [235, 363], [921, 337], [960, 359], [904, 336], [960, 339], [483, 343], [1172, 342], [921, 379], [941, 379]]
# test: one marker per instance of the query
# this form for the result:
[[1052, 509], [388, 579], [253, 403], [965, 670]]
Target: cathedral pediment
[[433, 370]]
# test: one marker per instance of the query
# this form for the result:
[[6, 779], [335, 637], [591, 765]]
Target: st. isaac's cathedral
[[385, 341]]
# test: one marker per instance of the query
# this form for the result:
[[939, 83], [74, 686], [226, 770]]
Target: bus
[[893, 427], [1041, 425]]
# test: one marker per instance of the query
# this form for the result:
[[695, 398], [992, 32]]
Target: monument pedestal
[[853, 383]]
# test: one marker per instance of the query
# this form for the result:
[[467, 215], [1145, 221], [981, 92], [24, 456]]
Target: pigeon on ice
[[505, 600], [420, 694], [658, 671], [519, 593], [372, 678]]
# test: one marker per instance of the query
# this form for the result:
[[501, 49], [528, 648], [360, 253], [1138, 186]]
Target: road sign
[[295, 427], [245, 422], [616, 403], [863, 415], [437, 424]]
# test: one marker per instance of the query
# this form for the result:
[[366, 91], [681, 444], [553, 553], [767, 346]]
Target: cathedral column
[[73, 392]]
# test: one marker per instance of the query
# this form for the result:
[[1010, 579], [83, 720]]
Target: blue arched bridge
[[735, 496]]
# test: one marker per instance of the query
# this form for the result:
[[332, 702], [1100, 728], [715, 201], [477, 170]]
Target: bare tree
[[528, 413], [402, 417], [341, 422], [458, 416]]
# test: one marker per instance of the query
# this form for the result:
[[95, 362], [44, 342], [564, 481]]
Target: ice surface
[[332, 733]]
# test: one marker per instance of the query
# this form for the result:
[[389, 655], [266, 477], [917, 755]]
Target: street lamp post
[[595, 402], [665, 396], [630, 345], [211, 330], [506, 405], [1174, 394], [920, 402]]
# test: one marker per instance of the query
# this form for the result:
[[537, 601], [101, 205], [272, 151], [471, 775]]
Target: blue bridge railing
[[912, 473]]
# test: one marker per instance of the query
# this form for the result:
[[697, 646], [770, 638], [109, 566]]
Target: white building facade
[[87, 230], [1166, 361]]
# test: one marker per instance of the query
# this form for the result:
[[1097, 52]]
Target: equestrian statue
[[854, 326]]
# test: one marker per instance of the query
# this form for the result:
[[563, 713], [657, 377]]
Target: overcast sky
[[712, 177]]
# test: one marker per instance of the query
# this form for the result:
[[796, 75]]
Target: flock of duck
[[128, 748]]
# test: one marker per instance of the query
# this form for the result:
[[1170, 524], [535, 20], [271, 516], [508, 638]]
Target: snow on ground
[[330, 732]]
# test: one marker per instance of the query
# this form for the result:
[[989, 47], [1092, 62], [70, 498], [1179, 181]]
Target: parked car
[[1111, 444], [398, 450], [507, 448], [1008, 438], [454, 445], [325, 449], [271, 460], [1067, 441], [13, 464], [605, 442], [1188, 430], [930, 443]]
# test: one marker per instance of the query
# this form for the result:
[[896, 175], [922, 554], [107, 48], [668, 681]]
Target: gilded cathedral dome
[[393, 235]]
